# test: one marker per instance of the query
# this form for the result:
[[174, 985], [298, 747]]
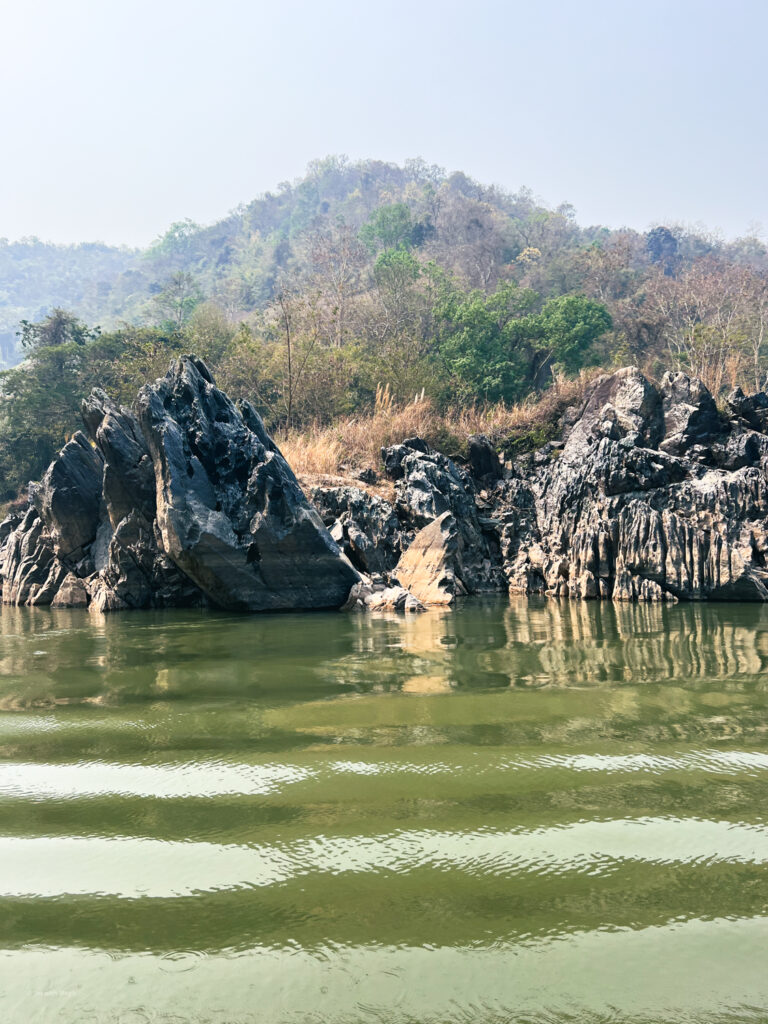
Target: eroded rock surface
[[184, 500], [653, 494], [634, 509], [431, 568]]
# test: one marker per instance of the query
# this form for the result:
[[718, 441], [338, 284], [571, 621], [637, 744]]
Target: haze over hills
[[475, 232]]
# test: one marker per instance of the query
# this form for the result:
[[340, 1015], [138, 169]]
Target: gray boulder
[[363, 524], [752, 409], [431, 569], [230, 512], [483, 461], [690, 414], [69, 497], [433, 484], [621, 407]]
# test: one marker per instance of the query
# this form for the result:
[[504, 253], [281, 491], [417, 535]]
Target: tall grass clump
[[355, 442]]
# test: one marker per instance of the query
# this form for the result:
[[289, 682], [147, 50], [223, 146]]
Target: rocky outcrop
[[230, 513], [690, 414], [183, 501], [430, 484], [363, 524], [377, 597], [31, 571], [652, 494], [431, 568], [633, 508], [69, 497]]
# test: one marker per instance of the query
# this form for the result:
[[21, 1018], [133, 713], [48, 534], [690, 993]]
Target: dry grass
[[355, 442]]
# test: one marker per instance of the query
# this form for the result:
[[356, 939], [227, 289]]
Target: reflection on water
[[534, 811]]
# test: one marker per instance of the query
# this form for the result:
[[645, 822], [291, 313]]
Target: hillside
[[361, 286], [480, 234]]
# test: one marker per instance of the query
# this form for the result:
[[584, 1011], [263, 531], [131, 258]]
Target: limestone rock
[[394, 455], [230, 512], [623, 405], [431, 567], [69, 496], [432, 484], [31, 571], [71, 593], [365, 596], [187, 502], [483, 462], [652, 496], [690, 414], [364, 525], [753, 409], [129, 478]]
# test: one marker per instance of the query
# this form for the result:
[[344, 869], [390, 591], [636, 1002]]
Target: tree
[[58, 328], [566, 329], [391, 227], [483, 341], [336, 261], [175, 304]]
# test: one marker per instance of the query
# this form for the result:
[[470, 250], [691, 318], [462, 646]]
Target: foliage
[[58, 328], [313, 298], [567, 327]]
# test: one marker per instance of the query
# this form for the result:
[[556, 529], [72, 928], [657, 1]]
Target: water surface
[[528, 812]]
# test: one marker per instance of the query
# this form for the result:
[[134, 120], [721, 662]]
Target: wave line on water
[[137, 868], [210, 779]]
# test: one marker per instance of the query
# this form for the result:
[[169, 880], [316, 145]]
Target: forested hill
[[330, 227], [98, 281], [360, 286]]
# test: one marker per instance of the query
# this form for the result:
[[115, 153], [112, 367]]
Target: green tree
[[58, 328], [566, 329], [483, 341], [175, 304], [391, 227]]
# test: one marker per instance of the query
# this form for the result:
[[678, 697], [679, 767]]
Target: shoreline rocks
[[183, 501], [653, 494]]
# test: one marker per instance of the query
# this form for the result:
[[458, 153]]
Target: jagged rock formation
[[364, 525], [653, 494], [184, 501], [639, 507], [431, 568]]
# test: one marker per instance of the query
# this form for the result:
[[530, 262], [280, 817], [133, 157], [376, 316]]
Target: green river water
[[524, 812]]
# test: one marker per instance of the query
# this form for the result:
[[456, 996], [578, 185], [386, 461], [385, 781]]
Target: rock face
[[633, 508], [653, 494], [184, 501], [431, 568], [230, 512], [364, 525]]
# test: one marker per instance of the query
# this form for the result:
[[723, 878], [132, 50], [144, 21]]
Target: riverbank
[[648, 493]]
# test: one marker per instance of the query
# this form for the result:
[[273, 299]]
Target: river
[[511, 812]]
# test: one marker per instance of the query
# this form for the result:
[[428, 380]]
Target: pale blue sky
[[121, 116]]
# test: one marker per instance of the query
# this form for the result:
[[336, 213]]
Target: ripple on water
[[331, 819]]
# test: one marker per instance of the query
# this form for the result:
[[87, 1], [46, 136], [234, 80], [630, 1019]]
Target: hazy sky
[[121, 116]]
